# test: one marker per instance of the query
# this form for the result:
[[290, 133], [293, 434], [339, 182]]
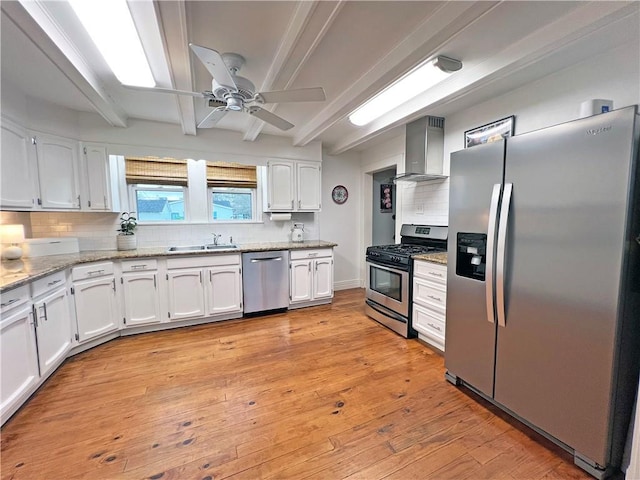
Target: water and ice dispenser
[[471, 255]]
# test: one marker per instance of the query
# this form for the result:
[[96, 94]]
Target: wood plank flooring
[[318, 393]]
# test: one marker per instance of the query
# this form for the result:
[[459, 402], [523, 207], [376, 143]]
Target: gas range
[[389, 275]]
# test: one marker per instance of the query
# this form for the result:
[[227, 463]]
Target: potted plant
[[126, 238]]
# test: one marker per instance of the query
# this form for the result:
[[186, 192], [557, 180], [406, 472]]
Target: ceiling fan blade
[[315, 94], [271, 118], [213, 118], [165, 90], [216, 66]]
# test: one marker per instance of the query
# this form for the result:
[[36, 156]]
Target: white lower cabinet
[[141, 298], [53, 329], [19, 359], [186, 293], [204, 286], [311, 278], [94, 291], [224, 289], [429, 302]]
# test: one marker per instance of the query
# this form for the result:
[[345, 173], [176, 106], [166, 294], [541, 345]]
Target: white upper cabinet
[[293, 186], [17, 186], [58, 172], [97, 179], [308, 185], [280, 185]]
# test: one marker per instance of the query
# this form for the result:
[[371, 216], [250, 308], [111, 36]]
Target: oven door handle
[[385, 311], [388, 269]]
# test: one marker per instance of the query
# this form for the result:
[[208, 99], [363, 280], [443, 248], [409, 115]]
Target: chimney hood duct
[[424, 152]]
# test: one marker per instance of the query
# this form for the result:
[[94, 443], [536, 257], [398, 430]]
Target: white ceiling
[[351, 48]]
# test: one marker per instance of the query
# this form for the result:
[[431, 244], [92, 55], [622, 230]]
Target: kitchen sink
[[212, 246], [200, 248]]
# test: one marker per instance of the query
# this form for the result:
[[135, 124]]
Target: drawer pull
[[434, 274], [438, 299], [315, 254], [95, 272], [434, 327], [50, 284], [138, 267], [13, 300]]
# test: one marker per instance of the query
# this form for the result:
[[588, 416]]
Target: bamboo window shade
[[156, 171], [224, 174]]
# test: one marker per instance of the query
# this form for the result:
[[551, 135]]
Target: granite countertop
[[14, 273], [440, 258]]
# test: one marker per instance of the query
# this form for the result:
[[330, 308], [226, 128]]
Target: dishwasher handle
[[256, 260]]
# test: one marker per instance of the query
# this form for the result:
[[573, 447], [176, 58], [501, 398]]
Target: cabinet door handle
[[32, 322], [291, 204], [309, 266], [210, 276], [154, 281], [299, 203], [434, 298], [200, 276], [6, 304], [316, 266], [113, 282], [44, 311]]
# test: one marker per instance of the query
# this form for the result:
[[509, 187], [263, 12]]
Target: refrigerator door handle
[[491, 236], [502, 252]]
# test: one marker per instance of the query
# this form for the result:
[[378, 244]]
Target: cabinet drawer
[[48, 283], [311, 253], [430, 324], [430, 271], [13, 298], [140, 265], [91, 271], [429, 294]]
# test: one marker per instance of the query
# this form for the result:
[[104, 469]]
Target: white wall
[[342, 224]]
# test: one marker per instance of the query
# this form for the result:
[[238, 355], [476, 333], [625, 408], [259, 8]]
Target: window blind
[[156, 171], [224, 174]]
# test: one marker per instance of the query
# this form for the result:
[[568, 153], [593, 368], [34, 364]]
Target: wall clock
[[339, 194]]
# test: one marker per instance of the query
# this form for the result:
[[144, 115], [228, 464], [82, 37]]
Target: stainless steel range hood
[[424, 153]]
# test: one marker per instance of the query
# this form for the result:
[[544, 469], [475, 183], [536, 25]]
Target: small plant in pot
[[126, 238]]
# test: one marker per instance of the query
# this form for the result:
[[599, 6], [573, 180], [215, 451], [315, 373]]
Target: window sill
[[185, 223]]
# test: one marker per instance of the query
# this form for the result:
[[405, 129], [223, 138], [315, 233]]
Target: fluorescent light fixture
[[110, 26], [411, 85]]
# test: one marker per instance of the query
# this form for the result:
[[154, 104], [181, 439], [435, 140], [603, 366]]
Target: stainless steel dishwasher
[[265, 281]]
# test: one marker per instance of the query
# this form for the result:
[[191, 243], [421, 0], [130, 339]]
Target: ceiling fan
[[232, 93]]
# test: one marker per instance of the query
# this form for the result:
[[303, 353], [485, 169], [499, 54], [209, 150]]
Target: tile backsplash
[[97, 231], [425, 202]]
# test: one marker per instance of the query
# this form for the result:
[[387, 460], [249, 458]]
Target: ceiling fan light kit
[[419, 80], [231, 92]]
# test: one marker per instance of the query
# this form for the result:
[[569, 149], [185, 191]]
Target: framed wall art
[[386, 198], [490, 132]]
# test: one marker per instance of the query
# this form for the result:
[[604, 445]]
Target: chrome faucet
[[216, 238]]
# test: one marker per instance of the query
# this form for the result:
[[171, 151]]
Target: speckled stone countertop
[[14, 273], [440, 258]]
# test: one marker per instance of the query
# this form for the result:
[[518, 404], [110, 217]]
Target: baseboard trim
[[347, 284]]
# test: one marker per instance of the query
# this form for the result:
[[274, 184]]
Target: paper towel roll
[[280, 217]]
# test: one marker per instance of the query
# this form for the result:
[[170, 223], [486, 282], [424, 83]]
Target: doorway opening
[[383, 214]]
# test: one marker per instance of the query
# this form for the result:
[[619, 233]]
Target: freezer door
[[470, 331], [564, 250]]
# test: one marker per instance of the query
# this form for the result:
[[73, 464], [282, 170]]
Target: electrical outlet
[[419, 209]]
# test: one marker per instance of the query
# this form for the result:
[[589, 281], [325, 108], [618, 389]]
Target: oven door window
[[386, 282]]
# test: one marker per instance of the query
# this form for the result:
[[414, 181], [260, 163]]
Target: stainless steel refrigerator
[[543, 280]]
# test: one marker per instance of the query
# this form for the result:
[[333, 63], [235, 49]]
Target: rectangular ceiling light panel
[[411, 85], [111, 27]]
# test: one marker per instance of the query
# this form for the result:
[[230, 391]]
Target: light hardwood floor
[[323, 393]]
